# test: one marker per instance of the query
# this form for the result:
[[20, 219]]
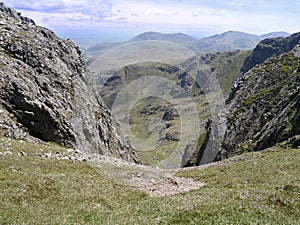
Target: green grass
[[139, 125], [263, 189], [151, 128], [259, 188], [226, 67], [154, 156]]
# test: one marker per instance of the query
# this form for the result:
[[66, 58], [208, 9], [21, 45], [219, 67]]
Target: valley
[[161, 129]]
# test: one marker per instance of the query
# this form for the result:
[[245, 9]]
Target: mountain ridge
[[268, 48], [152, 35], [230, 40]]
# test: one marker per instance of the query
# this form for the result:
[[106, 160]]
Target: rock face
[[268, 48], [45, 86], [265, 102], [14, 14]]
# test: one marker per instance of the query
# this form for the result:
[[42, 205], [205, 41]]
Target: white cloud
[[196, 13], [250, 16], [62, 6], [64, 12], [220, 12], [235, 3]]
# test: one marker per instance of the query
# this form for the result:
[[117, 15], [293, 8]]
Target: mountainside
[[154, 116], [265, 102], [246, 123], [152, 119], [47, 92], [268, 48]]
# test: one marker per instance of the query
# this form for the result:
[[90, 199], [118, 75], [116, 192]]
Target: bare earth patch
[[166, 186]]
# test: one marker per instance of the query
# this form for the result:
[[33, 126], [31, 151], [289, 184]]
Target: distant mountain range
[[230, 40]]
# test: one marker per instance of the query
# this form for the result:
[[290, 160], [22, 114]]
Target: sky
[[131, 17]]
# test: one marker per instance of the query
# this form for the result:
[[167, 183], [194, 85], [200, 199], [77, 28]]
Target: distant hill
[[177, 37], [274, 35], [230, 40]]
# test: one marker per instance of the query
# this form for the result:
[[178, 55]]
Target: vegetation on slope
[[265, 108], [257, 188], [152, 112]]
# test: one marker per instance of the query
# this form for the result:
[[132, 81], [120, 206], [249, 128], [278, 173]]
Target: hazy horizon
[[88, 36]]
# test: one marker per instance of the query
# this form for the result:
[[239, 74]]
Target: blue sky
[[206, 16]]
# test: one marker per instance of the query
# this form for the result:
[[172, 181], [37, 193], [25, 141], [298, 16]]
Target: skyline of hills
[[226, 41]]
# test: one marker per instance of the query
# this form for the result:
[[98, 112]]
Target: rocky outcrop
[[265, 107], [269, 48], [45, 87], [10, 127], [16, 15]]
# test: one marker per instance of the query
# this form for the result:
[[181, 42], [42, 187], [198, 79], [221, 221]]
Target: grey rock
[[46, 87], [16, 15], [265, 109], [268, 48], [153, 181], [8, 152], [47, 155], [72, 158], [22, 153]]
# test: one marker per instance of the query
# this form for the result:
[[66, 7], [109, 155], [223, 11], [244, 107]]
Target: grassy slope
[[226, 67], [140, 127], [259, 188]]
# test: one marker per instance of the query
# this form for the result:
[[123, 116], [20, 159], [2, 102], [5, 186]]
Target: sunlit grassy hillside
[[255, 188]]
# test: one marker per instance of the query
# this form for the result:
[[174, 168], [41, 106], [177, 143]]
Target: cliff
[[46, 90], [264, 108], [268, 48]]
